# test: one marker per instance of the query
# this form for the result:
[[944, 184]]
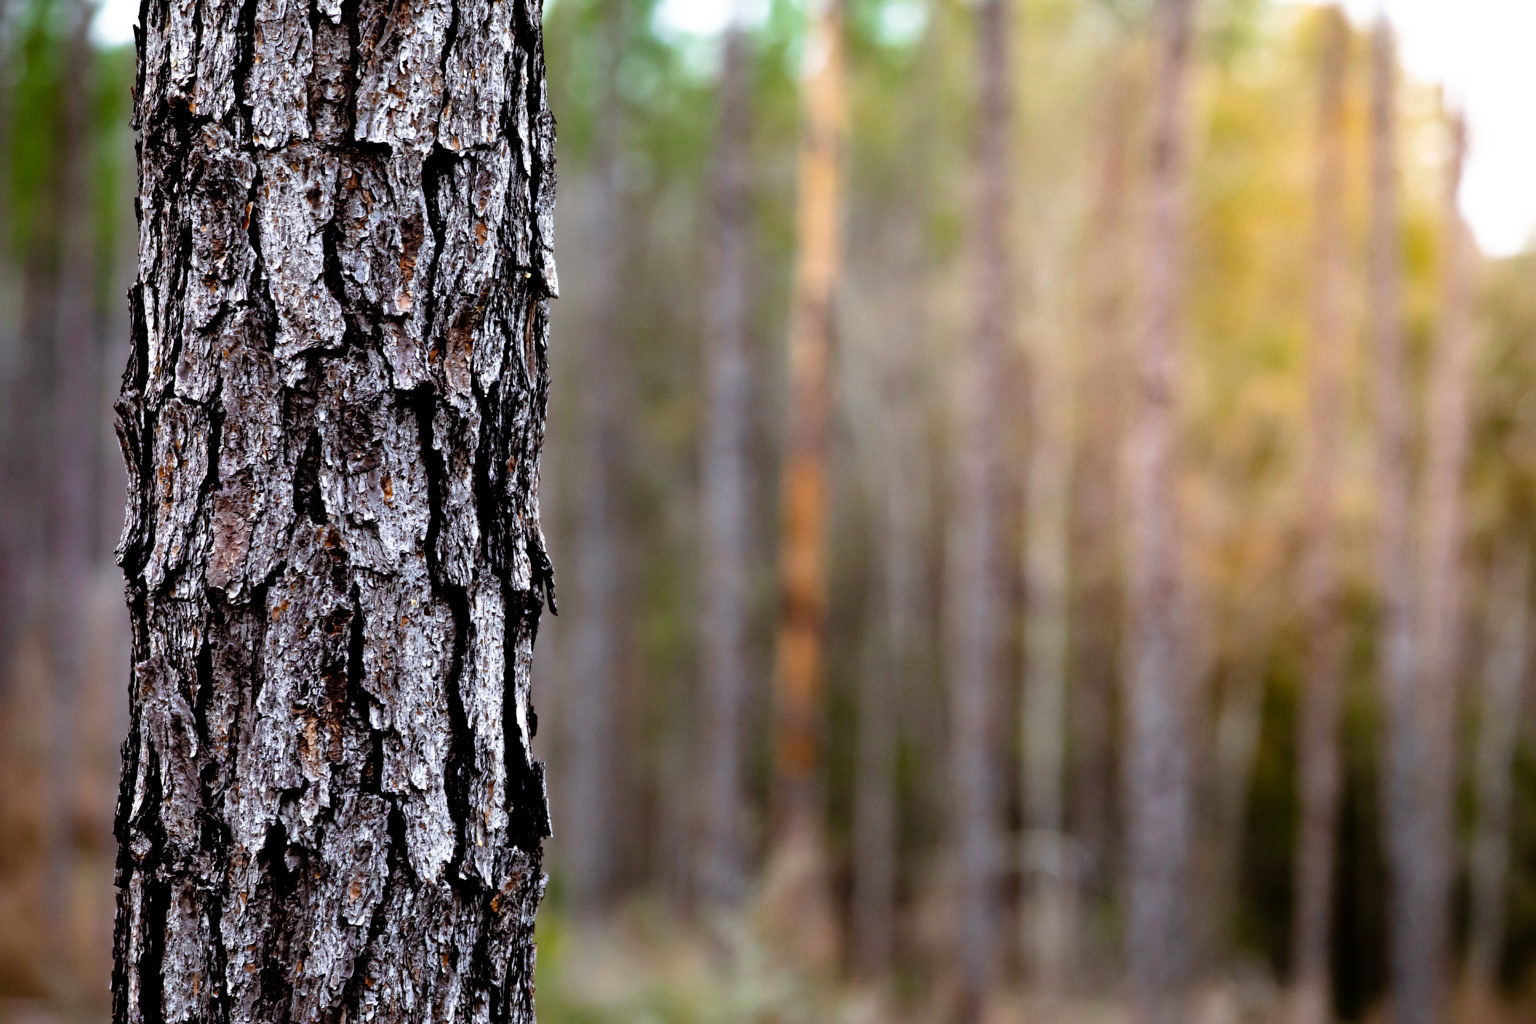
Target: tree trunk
[[797, 889], [71, 464], [1415, 952], [1506, 666], [902, 474], [1098, 493], [1157, 766], [1048, 860], [332, 420], [802, 545], [1440, 586], [1319, 771], [601, 556], [974, 573], [725, 480]]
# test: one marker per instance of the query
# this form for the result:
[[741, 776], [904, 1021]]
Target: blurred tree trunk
[[589, 841], [1506, 668], [1317, 741], [798, 886], [71, 462], [725, 478], [10, 391], [1234, 752], [974, 574], [889, 674], [1416, 967], [332, 419], [1047, 859], [1440, 587], [1097, 497], [1157, 769], [39, 203]]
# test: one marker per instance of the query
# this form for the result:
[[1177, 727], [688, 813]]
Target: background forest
[[785, 787]]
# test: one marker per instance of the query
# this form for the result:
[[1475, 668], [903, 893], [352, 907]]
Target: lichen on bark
[[332, 418]]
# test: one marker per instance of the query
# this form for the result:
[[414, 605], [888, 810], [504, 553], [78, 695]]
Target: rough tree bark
[[973, 577], [332, 420], [1157, 773], [725, 479], [1413, 952], [1439, 602], [1506, 667], [1318, 776]]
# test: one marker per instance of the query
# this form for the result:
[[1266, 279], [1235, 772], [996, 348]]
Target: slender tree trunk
[[903, 475], [974, 574], [10, 534], [1319, 771], [1048, 859], [1157, 765], [799, 655], [1098, 493], [332, 419], [1440, 586], [1415, 952], [589, 844], [1506, 668], [1239, 723], [71, 465], [725, 480]]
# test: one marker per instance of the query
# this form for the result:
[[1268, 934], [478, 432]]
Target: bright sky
[[1480, 49]]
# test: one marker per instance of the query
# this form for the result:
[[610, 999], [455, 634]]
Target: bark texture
[[1319, 771], [1157, 770], [332, 420], [974, 602], [725, 481]]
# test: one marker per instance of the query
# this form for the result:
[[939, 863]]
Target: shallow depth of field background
[[644, 946]]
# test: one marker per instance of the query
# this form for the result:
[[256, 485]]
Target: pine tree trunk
[[332, 420], [797, 891], [1319, 771], [1414, 953], [802, 546], [1157, 769], [889, 672], [1097, 496], [71, 465], [1506, 668], [1440, 586], [974, 573], [1047, 857], [725, 483], [586, 848]]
